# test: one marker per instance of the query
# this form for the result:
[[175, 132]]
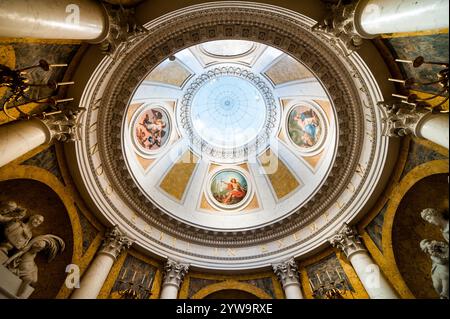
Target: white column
[[400, 120], [434, 127], [373, 280], [369, 18], [373, 17], [173, 277], [55, 19], [92, 282], [18, 138], [287, 274]]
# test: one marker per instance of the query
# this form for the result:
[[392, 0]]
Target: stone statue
[[17, 233], [432, 216], [439, 253], [9, 211], [22, 263]]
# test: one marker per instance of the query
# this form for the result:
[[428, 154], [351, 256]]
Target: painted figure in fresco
[[23, 263], [235, 192], [309, 123], [155, 128], [439, 254]]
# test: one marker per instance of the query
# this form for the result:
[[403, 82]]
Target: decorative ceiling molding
[[346, 79], [270, 28]]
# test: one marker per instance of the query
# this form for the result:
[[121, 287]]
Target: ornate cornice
[[271, 28], [347, 240], [287, 272], [174, 273], [115, 242]]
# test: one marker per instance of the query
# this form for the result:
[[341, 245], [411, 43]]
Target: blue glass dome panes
[[228, 112]]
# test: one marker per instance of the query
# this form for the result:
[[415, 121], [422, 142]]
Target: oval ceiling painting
[[152, 129], [305, 127]]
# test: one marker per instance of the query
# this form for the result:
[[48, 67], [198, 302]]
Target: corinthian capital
[[174, 273], [62, 126], [115, 242], [287, 272], [347, 240], [340, 23], [399, 119], [122, 28]]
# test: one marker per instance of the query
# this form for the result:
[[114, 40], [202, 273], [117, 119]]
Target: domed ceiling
[[230, 145], [229, 135]]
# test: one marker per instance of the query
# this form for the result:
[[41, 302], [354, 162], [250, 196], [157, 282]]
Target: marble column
[[114, 243], [373, 280], [366, 19], [89, 20], [55, 19], [173, 277], [399, 120], [20, 137], [287, 274], [374, 17]]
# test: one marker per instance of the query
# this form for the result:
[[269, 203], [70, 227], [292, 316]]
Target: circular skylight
[[228, 112]]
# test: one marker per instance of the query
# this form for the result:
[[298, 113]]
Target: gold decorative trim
[[231, 284], [40, 41], [277, 289], [389, 264], [12, 171], [414, 34], [433, 146], [360, 292], [105, 292]]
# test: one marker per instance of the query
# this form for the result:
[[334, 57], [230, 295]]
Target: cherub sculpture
[[436, 218], [439, 253], [23, 264]]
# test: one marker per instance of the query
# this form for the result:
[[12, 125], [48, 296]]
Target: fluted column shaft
[[373, 280], [287, 274], [55, 19], [92, 282]]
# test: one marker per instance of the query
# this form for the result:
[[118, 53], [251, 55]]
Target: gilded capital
[[287, 272], [115, 242], [347, 240], [174, 273]]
